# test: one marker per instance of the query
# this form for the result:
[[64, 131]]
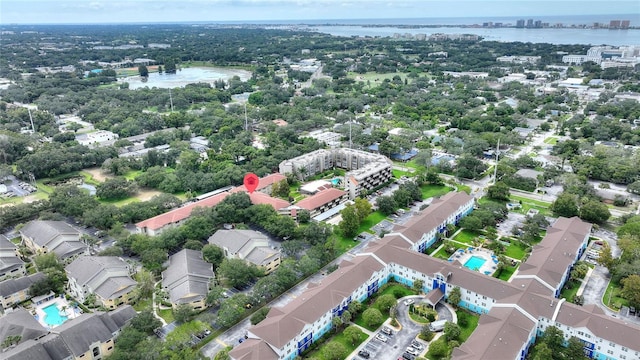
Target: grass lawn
[[132, 174], [507, 272], [527, 204], [88, 178], [472, 323], [434, 190], [399, 173], [166, 314], [370, 221], [612, 297], [466, 236], [344, 244], [321, 353], [397, 290], [570, 290], [142, 305], [121, 202], [551, 140], [514, 250], [374, 78], [465, 188]]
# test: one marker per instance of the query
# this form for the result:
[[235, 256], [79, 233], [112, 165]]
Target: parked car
[[382, 338], [412, 351], [408, 302], [364, 354], [437, 325], [386, 331], [408, 356], [416, 345]]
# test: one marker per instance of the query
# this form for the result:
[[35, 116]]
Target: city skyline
[[151, 11]]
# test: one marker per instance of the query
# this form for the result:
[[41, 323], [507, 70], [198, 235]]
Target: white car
[[382, 338], [416, 345], [412, 351], [408, 302]]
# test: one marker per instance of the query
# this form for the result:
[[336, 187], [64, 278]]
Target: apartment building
[[52, 236], [108, 277], [365, 170], [187, 279], [10, 263], [513, 313], [248, 245]]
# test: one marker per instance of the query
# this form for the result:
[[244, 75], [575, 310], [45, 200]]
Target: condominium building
[[513, 313], [365, 170]]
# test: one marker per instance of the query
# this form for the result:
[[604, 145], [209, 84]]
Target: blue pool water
[[335, 182], [52, 317], [474, 263]]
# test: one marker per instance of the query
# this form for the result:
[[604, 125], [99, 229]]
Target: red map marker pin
[[251, 181]]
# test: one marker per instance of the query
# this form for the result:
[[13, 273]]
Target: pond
[[182, 77]]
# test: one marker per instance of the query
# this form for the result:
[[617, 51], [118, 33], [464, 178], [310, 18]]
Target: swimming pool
[[52, 315], [336, 181], [474, 263]]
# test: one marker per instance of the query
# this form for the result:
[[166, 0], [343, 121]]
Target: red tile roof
[[258, 198], [263, 182], [179, 214], [323, 197]]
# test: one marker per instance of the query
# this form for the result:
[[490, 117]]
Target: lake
[[182, 77]]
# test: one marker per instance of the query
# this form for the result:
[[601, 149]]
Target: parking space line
[[221, 342]]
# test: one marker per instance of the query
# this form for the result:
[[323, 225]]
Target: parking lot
[[15, 187]]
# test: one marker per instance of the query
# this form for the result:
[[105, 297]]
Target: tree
[[574, 349], [232, 310], [634, 187], [498, 191], [468, 167], [334, 350], [350, 223], [554, 338], [259, 315], [144, 289], [426, 333], [143, 71], [116, 188], [471, 222], [345, 317], [213, 254], [152, 259], [363, 208], [451, 331], [565, 205], [355, 307], [542, 352], [417, 286], [215, 295], [455, 296], [439, 348], [47, 261], [386, 205], [183, 313], [304, 216], [595, 212], [237, 272], [353, 334], [145, 322], [372, 317], [336, 322], [385, 302], [631, 289], [280, 189]]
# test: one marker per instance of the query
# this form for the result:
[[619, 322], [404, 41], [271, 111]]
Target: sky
[[150, 11]]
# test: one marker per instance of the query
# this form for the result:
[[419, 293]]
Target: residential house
[[187, 279], [108, 277], [16, 290], [89, 336], [52, 236], [10, 263], [248, 245]]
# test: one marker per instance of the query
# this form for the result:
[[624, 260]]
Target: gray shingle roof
[[42, 232], [30, 349], [103, 274], [20, 323], [188, 275], [234, 240], [12, 286]]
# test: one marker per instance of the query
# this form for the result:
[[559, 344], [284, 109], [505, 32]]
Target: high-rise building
[[530, 23], [614, 24], [624, 24], [537, 24], [520, 23]]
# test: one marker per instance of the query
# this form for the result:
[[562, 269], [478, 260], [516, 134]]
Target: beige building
[[187, 279], [87, 337], [58, 237], [108, 277], [248, 245], [10, 263], [16, 290]]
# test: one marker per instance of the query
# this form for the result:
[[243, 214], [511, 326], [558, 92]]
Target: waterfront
[[564, 36]]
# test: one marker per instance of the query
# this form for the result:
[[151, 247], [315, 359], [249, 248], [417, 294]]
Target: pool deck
[[490, 264], [70, 311]]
